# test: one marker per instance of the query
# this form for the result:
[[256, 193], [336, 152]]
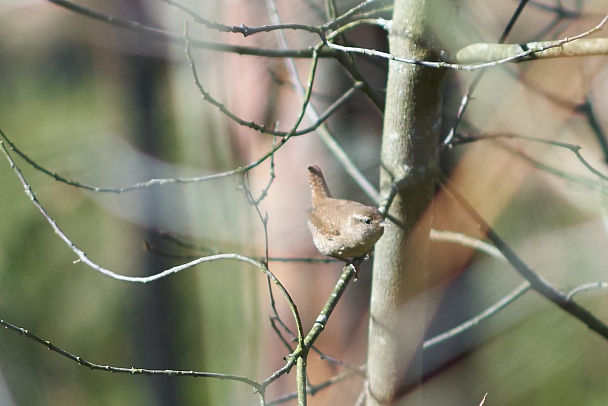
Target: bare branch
[[466, 99], [524, 55], [261, 128], [537, 48], [245, 30], [132, 371], [537, 282], [301, 352], [149, 183], [486, 53], [82, 257], [576, 149], [586, 287], [173, 37], [365, 7]]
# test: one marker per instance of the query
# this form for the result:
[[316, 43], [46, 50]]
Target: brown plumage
[[342, 229]]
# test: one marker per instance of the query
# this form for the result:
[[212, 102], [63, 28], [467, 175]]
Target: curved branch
[[132, 371], [537, 282], [586, 287], [141, 185], [576, 149]]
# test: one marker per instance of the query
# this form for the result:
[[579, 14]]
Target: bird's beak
[[383, 223]]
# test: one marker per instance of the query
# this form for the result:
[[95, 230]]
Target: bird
[[342, 229]]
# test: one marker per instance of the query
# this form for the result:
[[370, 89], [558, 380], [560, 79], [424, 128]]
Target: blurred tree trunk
[[409, 151], [144, 71]]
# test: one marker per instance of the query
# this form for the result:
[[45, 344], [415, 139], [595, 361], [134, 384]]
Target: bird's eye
[[367, 220]]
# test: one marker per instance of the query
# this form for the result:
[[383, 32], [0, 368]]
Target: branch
[[360, 8], [261, 128], [180, 242], [466, 99], [82, 257], [486, 53], [576, 149], [347, 274], [586, 287], [141, 185], [525, 54], [581, 180], [159, 34], [514, 54], [245, 30], [158, 182], [537, 282], [132, 371], [301, 352]]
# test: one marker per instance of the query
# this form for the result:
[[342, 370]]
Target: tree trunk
[[412, 123]]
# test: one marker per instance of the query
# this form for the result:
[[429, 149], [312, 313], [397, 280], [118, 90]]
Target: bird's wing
[[321, 221]]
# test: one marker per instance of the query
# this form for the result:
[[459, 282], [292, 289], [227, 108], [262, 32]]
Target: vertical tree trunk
[[409, 148]]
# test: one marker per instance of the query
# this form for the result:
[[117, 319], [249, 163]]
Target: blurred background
[[109, 107]]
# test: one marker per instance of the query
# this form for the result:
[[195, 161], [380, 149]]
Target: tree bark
[[412, 123]]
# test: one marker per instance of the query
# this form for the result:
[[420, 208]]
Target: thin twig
[[350, 14], [586, 287], [291, 359], [306, 53], [132, 371], [251, 124], [576, 149], [84, 259], [245, 30], [157, 33], [264, 220], [302, 350], [159, 182], [465, 240], [556, 171], [142, 185], [347, 274]]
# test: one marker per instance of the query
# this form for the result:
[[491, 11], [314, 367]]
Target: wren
[[342, 229]]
